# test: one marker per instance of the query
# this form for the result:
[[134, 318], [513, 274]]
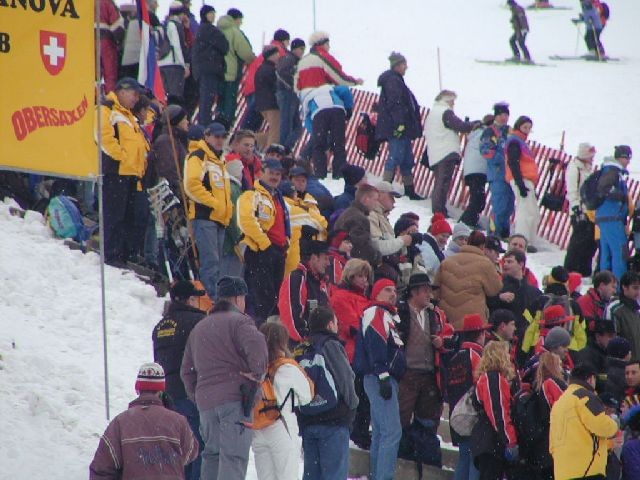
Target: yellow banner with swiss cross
[[47, 104]]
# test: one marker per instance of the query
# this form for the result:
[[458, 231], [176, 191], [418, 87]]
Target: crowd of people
[[329, 322]]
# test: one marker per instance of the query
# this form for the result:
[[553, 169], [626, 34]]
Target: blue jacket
[[327, 96], [492, 145], [590, 15], [322, 196], [631, 459], [379, 348], [613, 186], [346, 198]]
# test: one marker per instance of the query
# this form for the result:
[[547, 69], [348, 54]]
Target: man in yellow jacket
[[206, 183], [580, 429], [264, 220], [124, 161]]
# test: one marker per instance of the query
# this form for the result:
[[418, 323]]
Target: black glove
[[248, 397], [416, 238], [524, 191], [385, 388], [167, 401], [353, 331]]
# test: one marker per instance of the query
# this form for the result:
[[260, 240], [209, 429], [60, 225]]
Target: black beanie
[[622, 151], [281, 35], [297, 43], [352, 174], [204, 10], [500, 107], [235, 13], [402, 224], [560, 274], [229, 287]]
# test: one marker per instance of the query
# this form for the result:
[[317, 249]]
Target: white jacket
[[175, 57], [473, 161], [441, 141], [576, 174], [278, 447]]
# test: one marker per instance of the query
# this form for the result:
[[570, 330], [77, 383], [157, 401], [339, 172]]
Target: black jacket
[[169, 341], [397, 106], [337, 363], [615, 384], [594, 355], [209, 49], [285, 69], [525, 297], [266, 87]]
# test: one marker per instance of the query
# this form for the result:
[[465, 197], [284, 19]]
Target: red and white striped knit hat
[[150, 378]]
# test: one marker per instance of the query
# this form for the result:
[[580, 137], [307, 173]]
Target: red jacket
[[592, 306], [337, 261], [249, 85], [552, 389], [297, 290], [319, 68], [349, 305], [494, 393], [145, 441]]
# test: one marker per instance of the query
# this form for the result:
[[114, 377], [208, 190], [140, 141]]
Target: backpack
[[325, 395], [65, 219], [465, 415], [163, 44], [530, 419], [555, 194], [420, 444], [266, 411], [366, 142], [589, 194], [605, 12]]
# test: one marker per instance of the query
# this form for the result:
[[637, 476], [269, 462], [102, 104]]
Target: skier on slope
[[520, 31], [593, 20]]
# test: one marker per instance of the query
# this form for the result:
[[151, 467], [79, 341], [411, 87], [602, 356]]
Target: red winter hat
[[381, 285], [440, 225], [473, 322], [150, 378], [555, 315], [575, 280]]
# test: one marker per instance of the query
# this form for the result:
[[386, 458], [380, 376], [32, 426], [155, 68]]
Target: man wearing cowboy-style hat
[[426, 334], [462, 376]]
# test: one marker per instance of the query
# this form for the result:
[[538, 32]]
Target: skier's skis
[[589, 58], [513, 63]]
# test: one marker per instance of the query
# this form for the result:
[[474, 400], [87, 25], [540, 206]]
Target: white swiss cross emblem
[[53, 50]]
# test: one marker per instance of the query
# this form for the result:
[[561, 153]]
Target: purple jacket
[[220, 347], [145, 442]]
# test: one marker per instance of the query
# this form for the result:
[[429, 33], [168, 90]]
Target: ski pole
[[577, 37]]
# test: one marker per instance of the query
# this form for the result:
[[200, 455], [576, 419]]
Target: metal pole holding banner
[[103, 302], [439, 71], [314, 14]]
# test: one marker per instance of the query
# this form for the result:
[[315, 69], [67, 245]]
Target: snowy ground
[[592, 101]]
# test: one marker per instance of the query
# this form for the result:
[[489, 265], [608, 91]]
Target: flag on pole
[[149, 71]]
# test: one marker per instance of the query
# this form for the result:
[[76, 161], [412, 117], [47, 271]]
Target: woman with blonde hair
[[548, 386], [277, 447], [493, 441]]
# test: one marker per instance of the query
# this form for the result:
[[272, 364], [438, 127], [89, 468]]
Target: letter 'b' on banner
[[47, 105]]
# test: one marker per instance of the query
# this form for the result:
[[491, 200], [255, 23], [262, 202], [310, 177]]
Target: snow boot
[[410, 192]]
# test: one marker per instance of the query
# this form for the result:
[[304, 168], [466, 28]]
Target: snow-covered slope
[[51, 380], [592, 101]]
